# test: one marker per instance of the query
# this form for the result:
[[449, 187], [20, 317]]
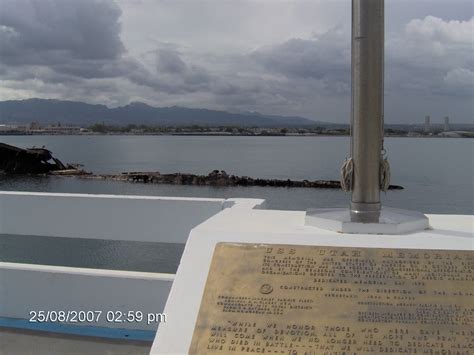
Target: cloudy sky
[[275, 57]]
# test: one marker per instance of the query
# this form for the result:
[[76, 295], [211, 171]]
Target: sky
[[271, 56]]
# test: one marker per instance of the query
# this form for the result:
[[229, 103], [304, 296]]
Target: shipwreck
[[15, 160]]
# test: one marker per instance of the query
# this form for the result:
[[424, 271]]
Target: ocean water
[[437, 174]]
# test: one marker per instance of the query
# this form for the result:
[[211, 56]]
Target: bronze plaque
[[306, 300]]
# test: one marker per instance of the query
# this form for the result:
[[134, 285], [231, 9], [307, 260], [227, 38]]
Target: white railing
[[110, 295]]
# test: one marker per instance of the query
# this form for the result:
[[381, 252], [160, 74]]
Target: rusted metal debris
[[219, 178], [15, 160]]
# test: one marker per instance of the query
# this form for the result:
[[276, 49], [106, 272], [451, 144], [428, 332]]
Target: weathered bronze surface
[[289, 299]]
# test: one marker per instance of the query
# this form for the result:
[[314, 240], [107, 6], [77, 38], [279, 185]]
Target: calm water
[[437, 174]]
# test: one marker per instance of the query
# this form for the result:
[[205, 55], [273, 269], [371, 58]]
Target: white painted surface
[[25, 288], [113, 217], [278, 227]]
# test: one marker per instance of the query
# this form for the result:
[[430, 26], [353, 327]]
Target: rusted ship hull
[[15, 160]]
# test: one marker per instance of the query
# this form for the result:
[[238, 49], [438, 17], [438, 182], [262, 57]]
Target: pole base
[[390, 221], [365, 212]]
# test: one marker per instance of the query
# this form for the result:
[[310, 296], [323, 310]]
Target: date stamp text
[[90, 317]]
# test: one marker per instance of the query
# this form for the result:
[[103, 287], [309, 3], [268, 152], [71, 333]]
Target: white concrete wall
[[25, 288], [114, 217]]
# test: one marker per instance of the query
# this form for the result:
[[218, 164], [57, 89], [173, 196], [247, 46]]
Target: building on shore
[[427, 124], [446, 124], [12, 129]]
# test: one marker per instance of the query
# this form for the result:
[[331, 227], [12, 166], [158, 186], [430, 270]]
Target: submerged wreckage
[[15, 160], [218, 178]]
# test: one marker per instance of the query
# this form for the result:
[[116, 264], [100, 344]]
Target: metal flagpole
[[367, 171], [367, 108]]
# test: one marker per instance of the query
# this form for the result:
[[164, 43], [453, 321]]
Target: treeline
[[237, 130]]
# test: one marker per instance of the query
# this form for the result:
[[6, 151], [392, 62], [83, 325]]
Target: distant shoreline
[[223, 134]]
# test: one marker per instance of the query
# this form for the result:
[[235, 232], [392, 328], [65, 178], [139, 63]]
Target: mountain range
[[47, 111]]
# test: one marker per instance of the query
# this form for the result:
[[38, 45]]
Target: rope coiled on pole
[[347, 173], [384, 174]]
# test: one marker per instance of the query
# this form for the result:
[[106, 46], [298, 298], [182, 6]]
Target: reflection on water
[[91, 253], [423, 196]]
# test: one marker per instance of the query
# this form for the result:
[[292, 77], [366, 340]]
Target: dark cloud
[[51, 32], [325, 57], [321, 62], [173, 75], [169, 61], [61, 40]]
